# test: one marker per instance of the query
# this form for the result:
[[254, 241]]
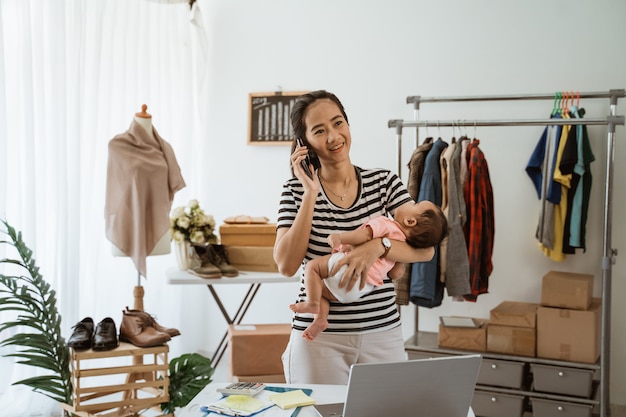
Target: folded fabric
[[243, 219]]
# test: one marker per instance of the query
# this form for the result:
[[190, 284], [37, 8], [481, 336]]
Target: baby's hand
[[334, 241]]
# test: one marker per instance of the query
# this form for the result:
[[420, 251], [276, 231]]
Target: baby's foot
[[305, 307], [317, 327]]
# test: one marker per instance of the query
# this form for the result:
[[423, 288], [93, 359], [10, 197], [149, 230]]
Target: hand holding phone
[[307, 161]]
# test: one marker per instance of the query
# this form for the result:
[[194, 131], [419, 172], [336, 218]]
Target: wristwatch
[[387, 245]]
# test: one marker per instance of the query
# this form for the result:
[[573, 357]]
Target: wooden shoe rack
[[105, 384]]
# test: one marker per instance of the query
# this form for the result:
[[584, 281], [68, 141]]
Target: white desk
[[253, 279], [323, 394]]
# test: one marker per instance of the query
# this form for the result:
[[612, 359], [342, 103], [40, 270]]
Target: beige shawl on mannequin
[[142, 178]]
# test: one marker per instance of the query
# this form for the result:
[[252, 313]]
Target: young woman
[[337, 197]]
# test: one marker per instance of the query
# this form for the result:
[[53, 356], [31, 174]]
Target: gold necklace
[[341, 197]]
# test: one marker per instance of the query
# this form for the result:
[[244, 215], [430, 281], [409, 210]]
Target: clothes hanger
[[555, 105]]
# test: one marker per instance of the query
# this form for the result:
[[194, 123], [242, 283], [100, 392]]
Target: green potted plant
[[39, 341]]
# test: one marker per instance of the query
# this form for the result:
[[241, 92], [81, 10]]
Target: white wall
[[373, 54]]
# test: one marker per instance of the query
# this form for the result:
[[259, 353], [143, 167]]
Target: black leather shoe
[[81, 338], [105, 336]]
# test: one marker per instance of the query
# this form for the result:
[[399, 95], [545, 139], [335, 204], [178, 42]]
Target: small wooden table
[[252, 279]]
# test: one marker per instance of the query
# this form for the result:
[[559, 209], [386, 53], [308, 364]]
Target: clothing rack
[[611, 121]]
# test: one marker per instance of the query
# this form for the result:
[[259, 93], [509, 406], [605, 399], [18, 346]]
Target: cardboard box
[[567, 290], [276, 379], [252, 258], [248, 234], [570, 335], [514, 313], [464, 338], [257, 349], [512, 340]]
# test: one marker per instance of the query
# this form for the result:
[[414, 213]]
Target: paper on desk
[[264, 397], [240, 405], [291, 399]]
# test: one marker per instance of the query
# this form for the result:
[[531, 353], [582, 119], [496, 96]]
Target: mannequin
[[142, 178], [163, 246]]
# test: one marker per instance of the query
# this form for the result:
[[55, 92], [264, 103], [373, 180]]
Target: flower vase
[[186, 255]]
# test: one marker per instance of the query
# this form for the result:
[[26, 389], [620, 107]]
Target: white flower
[[197, 237], [178, 236], [183, 222], [193, 204], [191, 224], [178, 212]]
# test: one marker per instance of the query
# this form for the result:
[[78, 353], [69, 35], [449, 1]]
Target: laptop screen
[[436, 387]]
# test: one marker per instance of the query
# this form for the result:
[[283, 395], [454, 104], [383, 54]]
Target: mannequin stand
[[138, 293]]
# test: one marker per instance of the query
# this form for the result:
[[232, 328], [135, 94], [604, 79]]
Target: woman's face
[[327, 131]]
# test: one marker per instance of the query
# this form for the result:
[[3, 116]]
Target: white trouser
[[327, 359]]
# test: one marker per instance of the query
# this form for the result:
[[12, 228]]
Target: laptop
[[436, 387]]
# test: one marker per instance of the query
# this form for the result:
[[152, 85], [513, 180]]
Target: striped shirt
[[380, 193]]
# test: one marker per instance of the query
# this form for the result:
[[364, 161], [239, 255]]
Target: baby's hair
[[430, 230]]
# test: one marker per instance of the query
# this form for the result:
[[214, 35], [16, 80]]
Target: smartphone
[[307, 161]]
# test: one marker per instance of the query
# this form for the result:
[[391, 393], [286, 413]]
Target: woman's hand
[[358, 261], [297, 158]]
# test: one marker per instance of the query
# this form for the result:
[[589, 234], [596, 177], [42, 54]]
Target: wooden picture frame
[[269, 117]]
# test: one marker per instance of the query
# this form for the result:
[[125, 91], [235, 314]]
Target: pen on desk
[[220, 410]]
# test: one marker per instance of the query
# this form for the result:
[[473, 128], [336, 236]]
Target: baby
[[421, 225]]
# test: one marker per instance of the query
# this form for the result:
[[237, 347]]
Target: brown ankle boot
[[219, 258], [150, 319], [206, 269], [137, 330]]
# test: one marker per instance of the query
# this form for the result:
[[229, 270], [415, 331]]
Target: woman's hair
[[298, 125], [430, 230]]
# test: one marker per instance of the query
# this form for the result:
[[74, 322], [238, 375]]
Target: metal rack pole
[[416, 100]]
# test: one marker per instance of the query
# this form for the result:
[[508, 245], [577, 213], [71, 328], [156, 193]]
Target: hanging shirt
[[416, 171], [416, 167], [456, 261], [444, 165], [540, 169], [426, 288], [480, 225], [580, 199], [556, 251]]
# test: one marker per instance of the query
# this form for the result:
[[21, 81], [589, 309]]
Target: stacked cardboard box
[[250, 247], [569, 318], [464, 338], [256, 350], [512, 328]]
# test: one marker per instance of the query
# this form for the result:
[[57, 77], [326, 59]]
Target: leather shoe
[[206, 269], [137, 330], [105, 336], [149, 318], [219, 257], [81, 338]]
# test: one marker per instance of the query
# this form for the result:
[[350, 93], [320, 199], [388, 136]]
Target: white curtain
[[72, 75]]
